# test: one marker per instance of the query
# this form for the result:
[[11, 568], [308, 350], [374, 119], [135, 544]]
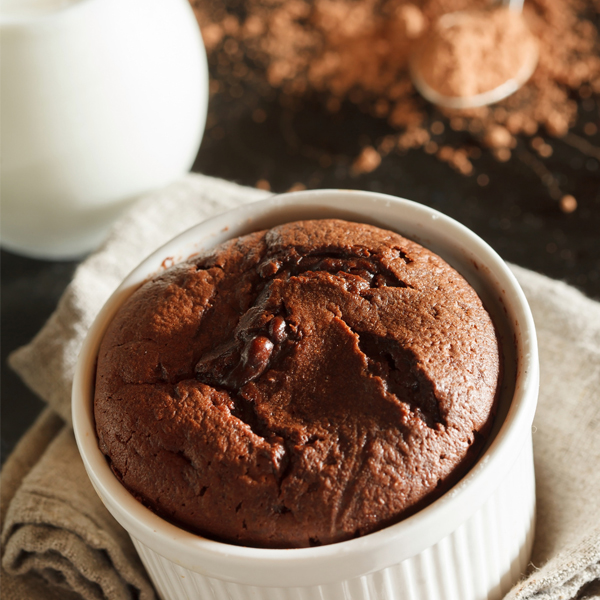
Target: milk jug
[[101, 101]]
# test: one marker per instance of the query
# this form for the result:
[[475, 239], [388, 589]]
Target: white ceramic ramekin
[[471, 544]]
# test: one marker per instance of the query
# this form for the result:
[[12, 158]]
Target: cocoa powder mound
[[468, 53], [359, 51]]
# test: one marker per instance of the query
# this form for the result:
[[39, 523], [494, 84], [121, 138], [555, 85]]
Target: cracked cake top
[[298, 386]]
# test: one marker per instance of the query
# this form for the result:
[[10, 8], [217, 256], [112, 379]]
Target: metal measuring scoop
[[499, 92]]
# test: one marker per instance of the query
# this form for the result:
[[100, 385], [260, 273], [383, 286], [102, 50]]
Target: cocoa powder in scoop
[[467, 53]]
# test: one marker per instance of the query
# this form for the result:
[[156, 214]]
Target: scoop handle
[[516, 5]]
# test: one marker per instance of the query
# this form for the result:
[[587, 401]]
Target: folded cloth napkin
[[57, 536], [56, 529]]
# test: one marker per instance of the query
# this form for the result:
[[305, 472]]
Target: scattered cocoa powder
[[437, 127], [367, 161], [545, 150], [263, 184], [498, 136], [413, 137], [502, 154], [359, 51], [297, 187], [568, 204], [541, 147], [457, 158], [431, 147]]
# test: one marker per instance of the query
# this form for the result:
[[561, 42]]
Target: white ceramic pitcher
[[101, 100]]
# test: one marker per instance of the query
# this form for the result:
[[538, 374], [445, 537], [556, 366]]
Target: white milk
[[101, 100]]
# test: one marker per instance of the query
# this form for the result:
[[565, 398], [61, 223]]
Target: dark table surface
[[514, 212]]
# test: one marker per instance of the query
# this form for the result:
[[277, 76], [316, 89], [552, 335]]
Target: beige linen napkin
[[56, 534], [56, 529]]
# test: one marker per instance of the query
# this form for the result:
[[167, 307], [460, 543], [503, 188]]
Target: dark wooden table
[[514, 212]]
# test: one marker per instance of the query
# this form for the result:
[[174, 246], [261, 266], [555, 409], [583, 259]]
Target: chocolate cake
[[298, 386]]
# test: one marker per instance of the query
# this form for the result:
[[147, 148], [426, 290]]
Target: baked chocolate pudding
[[298, 386]]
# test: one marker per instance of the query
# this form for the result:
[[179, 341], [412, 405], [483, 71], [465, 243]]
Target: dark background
[[514, 212]]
